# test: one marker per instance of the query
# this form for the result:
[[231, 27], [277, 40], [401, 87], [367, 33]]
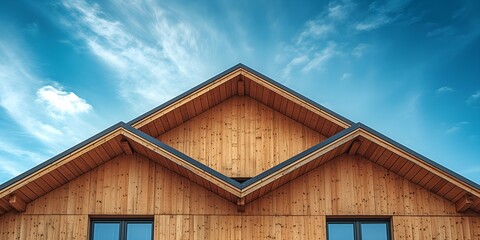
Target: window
[[358, 229], [121, 229]]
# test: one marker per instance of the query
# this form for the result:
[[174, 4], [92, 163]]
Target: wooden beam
[[241, 204], [126, 147], [17, 203], [354, 147], [464, 203], [241, 86]]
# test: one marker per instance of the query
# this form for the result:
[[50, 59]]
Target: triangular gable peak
[[241, 137], [240, 81], [124, 139]]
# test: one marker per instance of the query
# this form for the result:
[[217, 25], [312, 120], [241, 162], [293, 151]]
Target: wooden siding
[[60, 227], [347, 185], [351, 186], [388, 157], [241, 137], [43, 227], [59, 174], [436, 228], [239, 227]]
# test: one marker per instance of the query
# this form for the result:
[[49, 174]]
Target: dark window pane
[[340, 231], [139, 231], [106, 231], [374, 231]]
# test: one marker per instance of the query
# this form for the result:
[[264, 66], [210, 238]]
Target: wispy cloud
[[445, 89], [360, 50], [456, 127], [441, 31], [475, 97], [340, 10], [10, 155], [152, 67], [313, 46], [381, 13], [319, 58], [12, 149], [346, 76], [15, 84], [32, 28], [10, 168], [314, 30], [59, 102], [18, 86], [473, 170]]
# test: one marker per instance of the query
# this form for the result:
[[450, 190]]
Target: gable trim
[[426, 161], [55, 159], [239, 69]]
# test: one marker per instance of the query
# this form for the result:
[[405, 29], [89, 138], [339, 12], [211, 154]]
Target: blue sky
[[409, 69]]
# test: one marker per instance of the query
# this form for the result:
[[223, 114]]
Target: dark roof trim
[[296, 94], [299, 156], [229, 180], [226, 72], [346, 132], [61, 155], [183, 156], [419, 156]]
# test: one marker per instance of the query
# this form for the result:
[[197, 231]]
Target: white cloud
[[445, 89], [472, 170], [32, 28], [151, 67], [456, 127], [346, 76], [33, 135], [60, 102], [314, 30], [320, 58], [11, 149], [10, 168], [474, 97], [382, 13], [340, 10], [15, 82], [372, 23], [441, 31], [313, 46], [294, 63], [360, 50]]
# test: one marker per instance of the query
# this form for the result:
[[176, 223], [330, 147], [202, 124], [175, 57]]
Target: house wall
[[241, 137], [133, 185]]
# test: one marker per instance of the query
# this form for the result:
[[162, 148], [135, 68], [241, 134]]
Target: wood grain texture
[[426, 227], [239, 227], [241, 137], [40, 227], [132, 185]]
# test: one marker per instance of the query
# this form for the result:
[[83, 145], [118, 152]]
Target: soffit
[[240, 81]]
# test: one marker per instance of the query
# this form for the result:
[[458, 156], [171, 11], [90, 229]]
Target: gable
[[351, 185], [130, 184], [240, 80], [241, 137]]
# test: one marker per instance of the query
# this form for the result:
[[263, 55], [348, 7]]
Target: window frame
[[122, 225], [357, 225]]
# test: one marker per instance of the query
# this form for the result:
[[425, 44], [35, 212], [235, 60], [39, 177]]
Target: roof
[[139, 135]]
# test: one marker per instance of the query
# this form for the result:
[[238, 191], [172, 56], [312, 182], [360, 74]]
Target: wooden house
[[239, 157]]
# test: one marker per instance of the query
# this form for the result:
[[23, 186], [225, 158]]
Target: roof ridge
[[225, 73]]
